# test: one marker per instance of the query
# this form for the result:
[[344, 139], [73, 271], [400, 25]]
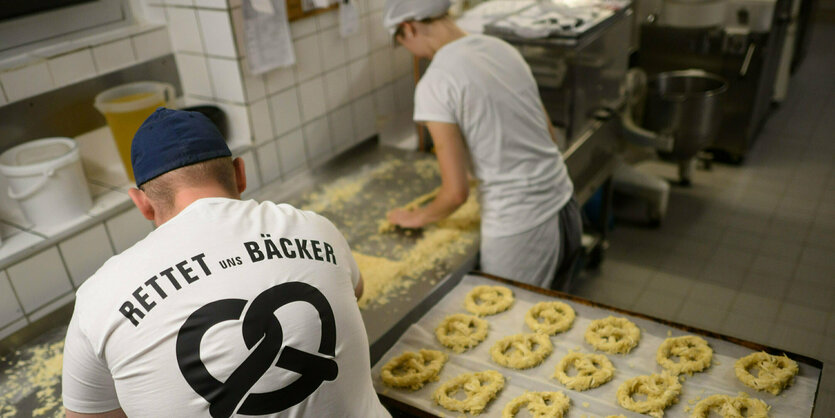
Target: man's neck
[[184, 198], [444, 31]]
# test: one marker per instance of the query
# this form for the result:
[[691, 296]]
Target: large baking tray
[[797, 400]]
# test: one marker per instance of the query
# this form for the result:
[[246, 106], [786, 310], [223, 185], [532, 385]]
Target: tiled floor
[[749, 250]]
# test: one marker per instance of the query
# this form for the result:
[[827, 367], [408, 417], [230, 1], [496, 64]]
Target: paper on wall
[[349, 21], [267, 35]]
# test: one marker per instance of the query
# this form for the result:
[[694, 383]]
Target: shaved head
[[218, 171]]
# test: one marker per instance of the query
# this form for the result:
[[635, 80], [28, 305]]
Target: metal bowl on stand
[[686, 105]]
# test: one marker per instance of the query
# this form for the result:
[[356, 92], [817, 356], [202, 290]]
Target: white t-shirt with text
[[483, 85], [229, 308]]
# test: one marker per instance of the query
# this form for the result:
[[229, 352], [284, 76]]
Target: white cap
[[399, 11]]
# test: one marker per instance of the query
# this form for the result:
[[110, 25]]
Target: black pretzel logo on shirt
[[261, 328]]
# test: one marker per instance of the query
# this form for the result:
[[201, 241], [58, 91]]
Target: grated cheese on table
[[37, 371]]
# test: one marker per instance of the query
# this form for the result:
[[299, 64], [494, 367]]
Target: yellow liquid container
[[125, 108]]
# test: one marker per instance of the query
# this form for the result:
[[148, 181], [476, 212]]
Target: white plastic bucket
[[46, 178]]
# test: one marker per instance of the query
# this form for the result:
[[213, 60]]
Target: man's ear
[[409, 30], [142, 202], [240, 174]]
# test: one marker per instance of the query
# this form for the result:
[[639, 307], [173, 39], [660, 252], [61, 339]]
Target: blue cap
[[170, 139]]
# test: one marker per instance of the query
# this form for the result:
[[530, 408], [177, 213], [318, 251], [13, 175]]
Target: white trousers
[[529, 257]]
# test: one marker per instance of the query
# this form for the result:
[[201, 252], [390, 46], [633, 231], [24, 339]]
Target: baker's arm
[[453, 161], [551, 129], [116, 413], [359, 288]]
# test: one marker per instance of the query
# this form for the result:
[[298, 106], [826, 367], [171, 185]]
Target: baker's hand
[[406, 218]]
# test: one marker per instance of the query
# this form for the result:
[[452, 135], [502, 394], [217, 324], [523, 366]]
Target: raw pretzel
[[518, 352], [775, 372], [411, 370], [539, 405], [480, 388], [494, 299], [661, 390], [556, 317], [460, 332], [693, 352], [613, 335], [731, 407], [593, 370]]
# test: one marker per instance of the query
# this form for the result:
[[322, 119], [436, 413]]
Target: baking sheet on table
[[797, 400]]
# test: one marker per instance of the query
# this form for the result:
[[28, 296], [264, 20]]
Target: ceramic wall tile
[[317, 140], [359, 77], [194, 75], [312, 99], [285, 111], [342, 128], [261, 122], [365, 123], [226, 79], [337, 91], [152, 45], [69, 68], [333, 49], [216, 28], [85, 253], [27, 81], [308, 58], [184, 30], [280, 79], [268, 164], [291, 152], [40, 279], [114, 55], [10, 309]]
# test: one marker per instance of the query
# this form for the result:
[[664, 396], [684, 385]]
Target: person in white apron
[[481, 104]]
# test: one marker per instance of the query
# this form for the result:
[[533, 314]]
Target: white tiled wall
[[28, 81], [86, 252], [72, 67], [59, 65], [40, 279], [10, 309], [114, 55]]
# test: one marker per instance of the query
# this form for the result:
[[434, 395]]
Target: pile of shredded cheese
[[385, 276], [37, 371]]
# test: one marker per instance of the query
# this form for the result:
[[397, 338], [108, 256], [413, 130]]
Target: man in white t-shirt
[[481, 104], [228, 308]]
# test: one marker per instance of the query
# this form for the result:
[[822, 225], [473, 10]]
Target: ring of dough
[[521, 351], [775, 372], [661, 390], [411, 370], [479, 389], [613, 335], [461, 332], [731, 407], [488, 300], [693, 352], [539, 404], [555, 317], [593, 370]]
